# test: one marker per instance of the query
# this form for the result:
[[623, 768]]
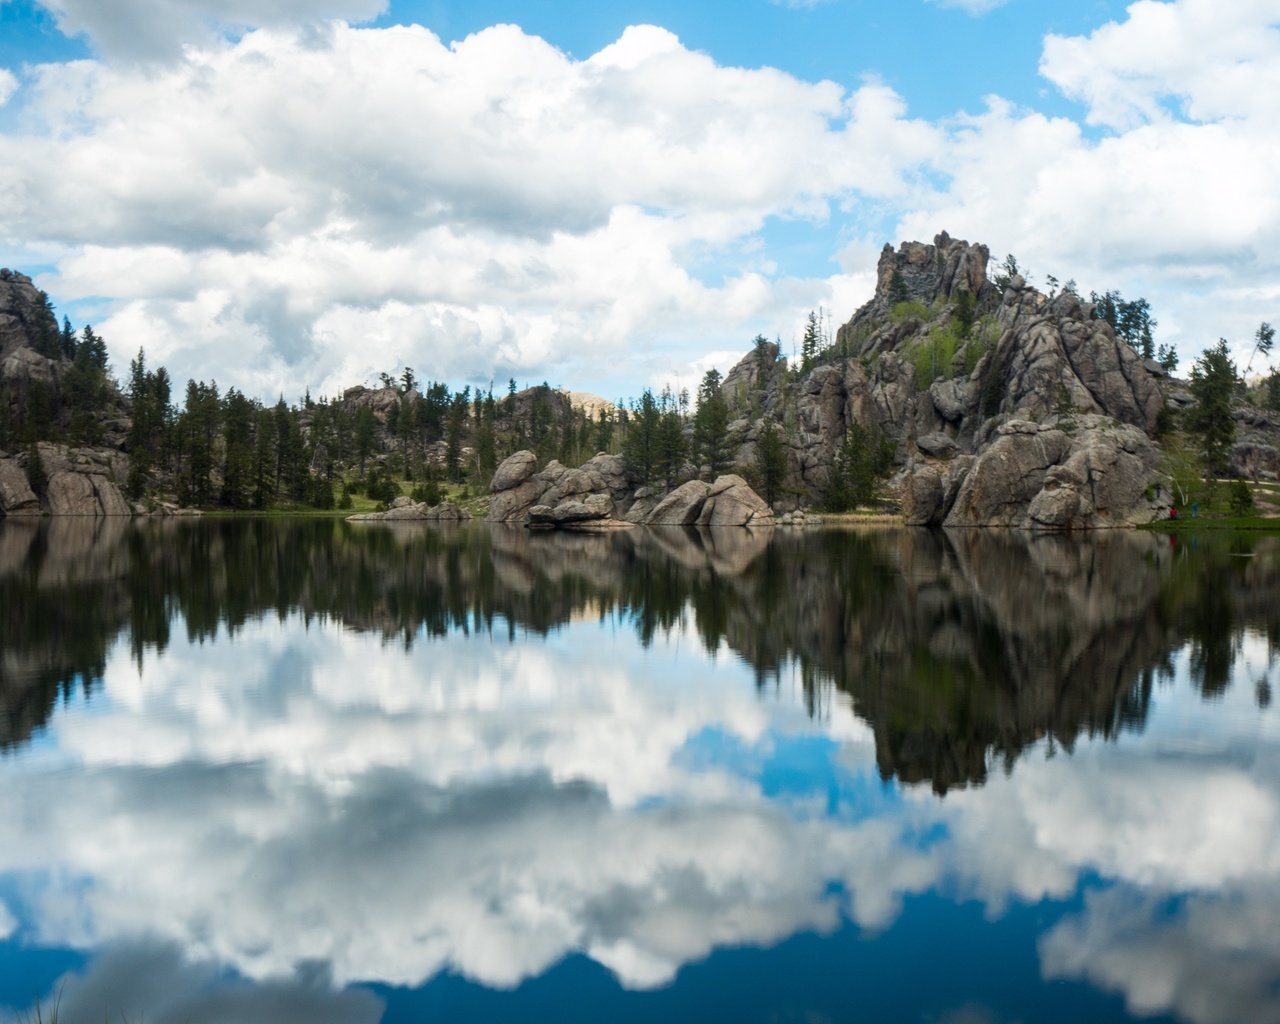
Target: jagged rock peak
[[948, 267]]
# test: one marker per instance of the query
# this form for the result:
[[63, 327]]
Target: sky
[[301, 194]]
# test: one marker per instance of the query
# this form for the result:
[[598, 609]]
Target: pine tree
[[809, 343], [1212, 383], [711, 426], [770, 461], [640, 450]]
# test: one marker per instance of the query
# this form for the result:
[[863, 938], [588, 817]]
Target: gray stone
[[514, 471], [16, 496], [682, 506], [939, 446]]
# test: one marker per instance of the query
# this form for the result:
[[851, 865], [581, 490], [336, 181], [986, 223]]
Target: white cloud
[[159, 28], [330, 207], [1173, 201], [8, 85], [1216, 62]]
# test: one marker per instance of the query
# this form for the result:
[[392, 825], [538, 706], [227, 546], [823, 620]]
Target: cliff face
[[59, 479], [1008, 408]]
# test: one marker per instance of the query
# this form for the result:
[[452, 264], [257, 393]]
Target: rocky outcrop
[[600, 494], [939, 361], [1041, 477], [16, 496], [404, 509], [77, 482]]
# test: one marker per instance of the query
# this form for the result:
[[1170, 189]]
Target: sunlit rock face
[[1007, 406], [486, 750]]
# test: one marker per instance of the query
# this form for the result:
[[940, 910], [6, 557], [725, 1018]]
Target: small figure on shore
[[1173, 511]]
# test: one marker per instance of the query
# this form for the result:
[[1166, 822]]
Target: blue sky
[[293, 193]]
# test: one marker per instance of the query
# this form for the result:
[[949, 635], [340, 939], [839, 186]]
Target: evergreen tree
[[671, 446], [264, 459], [1212, 383], [863, 460], [809, 342], [1262, 342], [711, 426], [365, 426], [238, 450], [640, 450], [770, 461], [453, 436], [604, 430]]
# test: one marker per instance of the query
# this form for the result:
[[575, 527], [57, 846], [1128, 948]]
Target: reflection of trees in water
[[960, 649]]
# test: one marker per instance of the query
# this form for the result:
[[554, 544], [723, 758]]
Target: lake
[[312, 771]]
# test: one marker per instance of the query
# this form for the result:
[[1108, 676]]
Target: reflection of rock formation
[[960, 650]]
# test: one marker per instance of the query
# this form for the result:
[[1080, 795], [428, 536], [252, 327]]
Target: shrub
[[912, 310], [1240, 498], [933, 357]]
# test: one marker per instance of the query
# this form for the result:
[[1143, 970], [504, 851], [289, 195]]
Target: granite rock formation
[[1006, 407], [601, 494]]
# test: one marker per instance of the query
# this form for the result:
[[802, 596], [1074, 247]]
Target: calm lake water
[[268, 771]]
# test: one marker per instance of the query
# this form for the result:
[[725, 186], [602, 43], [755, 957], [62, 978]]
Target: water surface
[[316, 771]]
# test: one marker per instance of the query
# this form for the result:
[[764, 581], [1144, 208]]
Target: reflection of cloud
[[122, 979], [464, 805], [488, 809], [1207, 959]]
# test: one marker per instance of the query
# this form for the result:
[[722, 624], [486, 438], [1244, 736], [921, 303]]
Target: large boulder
[[514, 471], [732, 502], [16, 496], [85, 494], [510, 506], [682, 506], [922, 494]]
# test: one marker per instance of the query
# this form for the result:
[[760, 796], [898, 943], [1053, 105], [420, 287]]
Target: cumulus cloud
[[1171, 199], [8, 85], [490, 208], [299, 208], [159, 28], [1213, 62]]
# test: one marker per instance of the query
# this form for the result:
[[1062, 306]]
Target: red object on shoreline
[[1173, 511]]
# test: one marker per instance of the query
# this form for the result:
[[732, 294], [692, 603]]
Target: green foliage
[[1271, 391], [711, 426], [1008, 270], [771, 462], [897, 289], [1263, 339], [1130, 319], [933, 356], [863, 461], [37, 478], [993, 384], [671, 446], [1212, 383], [640, 450], [966, 309], [1240, 498], [428, 491], [913, 310], [809, 343]]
